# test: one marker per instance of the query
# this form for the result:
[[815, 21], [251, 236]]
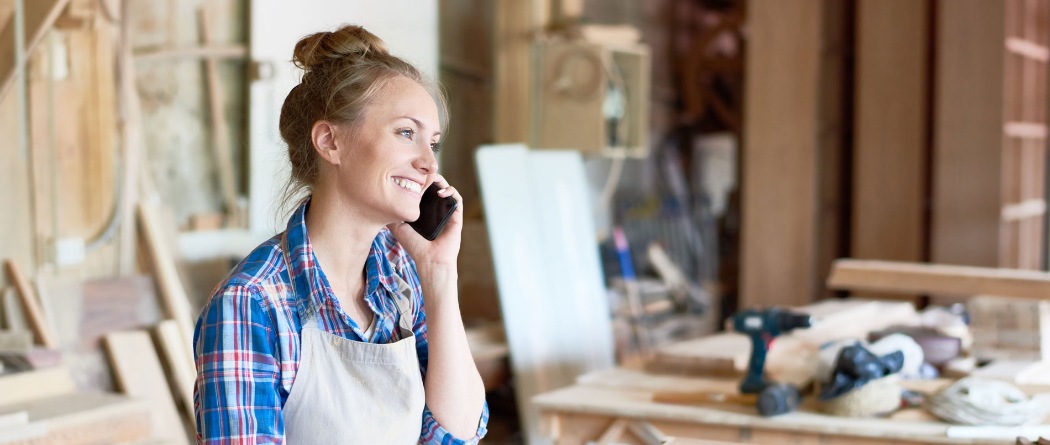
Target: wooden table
[[616, 406]]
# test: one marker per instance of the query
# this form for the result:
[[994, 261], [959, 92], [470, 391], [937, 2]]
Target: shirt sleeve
[[433, 433], [235, 396]]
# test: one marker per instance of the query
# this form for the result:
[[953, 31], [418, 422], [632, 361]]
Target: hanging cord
[[973, 401]]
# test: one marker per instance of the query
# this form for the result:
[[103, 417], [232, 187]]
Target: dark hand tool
[[762, 326]]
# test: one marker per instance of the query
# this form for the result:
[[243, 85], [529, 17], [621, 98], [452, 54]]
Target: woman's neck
[[341, 241]]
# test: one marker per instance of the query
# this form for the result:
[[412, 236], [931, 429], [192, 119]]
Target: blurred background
[[727, 152]]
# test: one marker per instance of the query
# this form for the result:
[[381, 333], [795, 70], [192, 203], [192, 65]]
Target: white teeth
[[410, 185]]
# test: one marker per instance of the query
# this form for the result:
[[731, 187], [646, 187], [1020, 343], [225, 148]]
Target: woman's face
[[389, 159]]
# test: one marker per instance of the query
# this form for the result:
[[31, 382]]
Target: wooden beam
[[40, 15], [208, 51], [173, 295], [1028, 49], [517, 23], [780, 176], [916, 278], [42, 333], [38, 383], [890, 131], [181, 369], [220, 132], [968, 133], [132, 148], [137, 372]]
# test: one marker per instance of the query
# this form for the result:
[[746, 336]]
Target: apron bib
[[351, 392]]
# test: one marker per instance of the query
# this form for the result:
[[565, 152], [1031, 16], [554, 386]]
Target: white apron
[[350, 392]]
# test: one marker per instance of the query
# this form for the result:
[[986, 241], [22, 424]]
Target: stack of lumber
[[43, 407]]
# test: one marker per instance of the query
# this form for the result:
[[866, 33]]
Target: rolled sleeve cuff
[[434, 433]]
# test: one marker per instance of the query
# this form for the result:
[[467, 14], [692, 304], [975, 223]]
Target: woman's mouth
[[408, 184]]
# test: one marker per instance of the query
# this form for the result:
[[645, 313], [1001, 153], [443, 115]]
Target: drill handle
[[754, 382]]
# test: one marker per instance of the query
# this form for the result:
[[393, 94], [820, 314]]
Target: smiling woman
[[345, 328]]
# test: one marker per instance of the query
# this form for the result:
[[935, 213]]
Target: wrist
[[437, 277]]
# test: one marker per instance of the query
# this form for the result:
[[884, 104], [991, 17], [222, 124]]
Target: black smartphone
[[434, 212]]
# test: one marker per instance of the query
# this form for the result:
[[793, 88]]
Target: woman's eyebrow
[[419, 124]]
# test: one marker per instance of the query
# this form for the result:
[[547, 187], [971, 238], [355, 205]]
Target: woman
[[321, 334]]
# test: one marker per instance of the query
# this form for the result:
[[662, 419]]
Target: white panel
[[545, 255], [409, 27]]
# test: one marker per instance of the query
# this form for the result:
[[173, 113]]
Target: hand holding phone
[[434, 212]]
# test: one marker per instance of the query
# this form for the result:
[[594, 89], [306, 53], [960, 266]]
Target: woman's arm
[[455, 393], [235, 396]]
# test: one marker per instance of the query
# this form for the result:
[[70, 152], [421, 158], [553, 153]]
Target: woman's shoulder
[[256, 274]]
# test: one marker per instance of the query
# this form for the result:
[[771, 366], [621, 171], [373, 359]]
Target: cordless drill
[[763, 326]]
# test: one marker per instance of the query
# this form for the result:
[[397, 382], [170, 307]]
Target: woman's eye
[[435, 147], [406, 132]]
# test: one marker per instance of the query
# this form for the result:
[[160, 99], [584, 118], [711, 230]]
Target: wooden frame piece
[[915, 278], [42, 333], [219, 130], [137, 372], [172, 292], [39, 18]]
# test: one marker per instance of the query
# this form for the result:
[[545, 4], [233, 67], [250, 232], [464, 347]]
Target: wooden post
[[780, 174], [220, 132], [890, 131], [968, 133], [42, 333]]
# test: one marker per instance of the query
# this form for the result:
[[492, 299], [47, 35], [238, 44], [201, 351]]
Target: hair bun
[[320, 48]]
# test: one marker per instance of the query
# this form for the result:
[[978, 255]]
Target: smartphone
[[434, 212]]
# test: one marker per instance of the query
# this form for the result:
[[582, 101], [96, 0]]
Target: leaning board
[[545, 255]]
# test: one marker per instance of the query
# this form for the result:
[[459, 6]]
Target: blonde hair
[[344, 71]]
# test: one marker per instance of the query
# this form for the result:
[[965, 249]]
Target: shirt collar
[[308, 280]]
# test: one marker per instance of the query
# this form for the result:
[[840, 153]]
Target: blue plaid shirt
[[246, 341]]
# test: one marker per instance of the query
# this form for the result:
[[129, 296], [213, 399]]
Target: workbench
[[615, 406]]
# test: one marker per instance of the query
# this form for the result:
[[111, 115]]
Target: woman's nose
[[426, 162]]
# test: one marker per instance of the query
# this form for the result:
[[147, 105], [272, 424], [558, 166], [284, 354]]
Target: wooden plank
[[220, 131], [137, 372], [132, 148], [1024, 210], [35, 384], [208, 51], [42, 333], [115, 304], [515, 23], [532, 250], [833, 120], [617, 403], [15, 341], [82, 418], [1028, 49], [17, 240], [896, 277], [779, 157], [1027, 130], [173, 295], [968, 132], [98, 122], [890, 131], [40, 15], [181, 369]]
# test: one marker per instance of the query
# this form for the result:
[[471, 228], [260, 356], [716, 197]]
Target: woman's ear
[[324, 135]]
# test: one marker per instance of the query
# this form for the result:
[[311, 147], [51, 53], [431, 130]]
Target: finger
[[440, 181], [403, 232], [451, 191]]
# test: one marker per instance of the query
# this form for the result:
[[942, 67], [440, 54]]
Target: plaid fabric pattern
[[246, 341]]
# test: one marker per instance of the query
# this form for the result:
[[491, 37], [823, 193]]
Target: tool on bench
[[762, 326]]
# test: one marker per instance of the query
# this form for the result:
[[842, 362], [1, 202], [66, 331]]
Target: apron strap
[[403, 299]]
